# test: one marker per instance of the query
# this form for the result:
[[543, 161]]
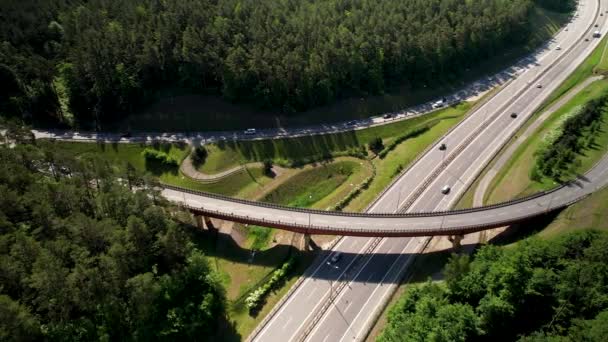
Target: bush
[[558, 156], [160, 157], [257, 297], [268, 168], [376, 145], [199, 155]]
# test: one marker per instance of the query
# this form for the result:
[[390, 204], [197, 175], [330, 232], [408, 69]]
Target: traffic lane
[[313, 288], [503, 126], [431, 160], [340, 314], [432, 200]]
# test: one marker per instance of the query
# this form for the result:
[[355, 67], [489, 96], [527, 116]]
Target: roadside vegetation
[[293, 152], [522, 169], [537, 290], [557, 157]]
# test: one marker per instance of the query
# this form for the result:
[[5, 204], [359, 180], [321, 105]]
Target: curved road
[[391, 225]]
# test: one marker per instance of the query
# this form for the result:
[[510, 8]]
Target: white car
[[250, 131], [558, 48], [445, 190]]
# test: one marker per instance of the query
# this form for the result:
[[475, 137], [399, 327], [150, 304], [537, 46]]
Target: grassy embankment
[[180, 110], [595, 64]]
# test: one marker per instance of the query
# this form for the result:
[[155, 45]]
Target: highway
[[364, 278]]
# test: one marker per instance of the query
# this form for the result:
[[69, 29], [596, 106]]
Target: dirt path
[[188, 169]]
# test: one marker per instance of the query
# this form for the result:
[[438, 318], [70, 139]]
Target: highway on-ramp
[[362, 281]]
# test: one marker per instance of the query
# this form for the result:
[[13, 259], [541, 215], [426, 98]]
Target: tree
[[268, 168], [376, 145], [199, 155]]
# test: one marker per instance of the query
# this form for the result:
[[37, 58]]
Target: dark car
[[513, 115], [126, 135], [442, 147]]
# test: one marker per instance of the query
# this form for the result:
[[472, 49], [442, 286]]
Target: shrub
[[199, 155], [376, 145], [257, 297], [268, 168], [160, 157]]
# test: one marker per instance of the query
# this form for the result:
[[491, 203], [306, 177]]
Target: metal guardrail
[[356, 214]]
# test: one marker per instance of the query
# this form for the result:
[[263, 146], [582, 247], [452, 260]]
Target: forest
[[81, 63], [88, 254], [538, 290]]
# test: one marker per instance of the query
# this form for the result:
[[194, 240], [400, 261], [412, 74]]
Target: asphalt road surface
[[370, 283]]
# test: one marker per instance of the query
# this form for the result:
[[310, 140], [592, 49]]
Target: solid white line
[[299, 289], [343, 293], [328, 291], [378, 286]]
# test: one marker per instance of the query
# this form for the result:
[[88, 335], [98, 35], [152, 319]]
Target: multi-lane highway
[[360, 283]]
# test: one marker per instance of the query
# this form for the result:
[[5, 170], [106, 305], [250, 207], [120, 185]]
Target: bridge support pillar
[[200, 221], [203, 222], [455, 240], [306, 242]]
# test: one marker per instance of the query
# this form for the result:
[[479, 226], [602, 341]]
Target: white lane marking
[[344, 269], [287, 323], [312, 293], [343, 293], [307, 280], [378, 286]]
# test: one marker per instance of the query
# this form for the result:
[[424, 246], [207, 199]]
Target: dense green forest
[[84, 258], [538, 290], [86, 62]]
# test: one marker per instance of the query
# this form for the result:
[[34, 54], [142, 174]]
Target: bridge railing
[[355, 214], [328, 229]]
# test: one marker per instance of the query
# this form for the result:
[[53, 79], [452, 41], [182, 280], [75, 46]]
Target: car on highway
[[513, 115], [336, 257], [438, 104], [586, 39], [539, 85], [596, 25], [351, 123], [597, 34], [126, 135], [250, 131], [387, 116], [442, 147], [445, 190], [558, 48]]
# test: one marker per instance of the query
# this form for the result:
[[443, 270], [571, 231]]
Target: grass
[[219, 160], [582, 72], [592, 212], [119, 155], [310, 186], [302, 150], [517, 170], [237, 185], [405, 153], [178, 110]]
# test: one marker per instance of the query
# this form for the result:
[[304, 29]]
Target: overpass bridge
[[446, 223]]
